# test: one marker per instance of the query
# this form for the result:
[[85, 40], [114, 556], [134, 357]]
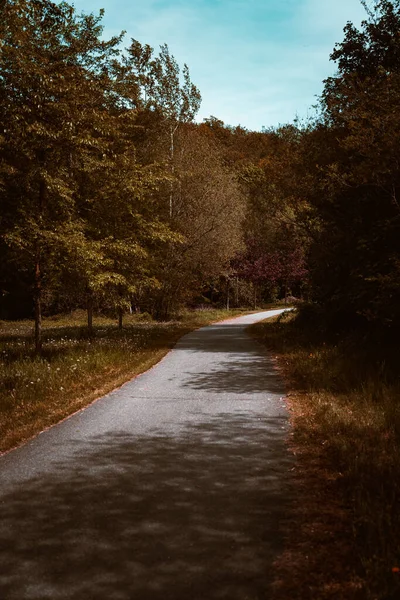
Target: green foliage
[[275, 236], [208, 213], [356, 183], [110, 195], [53, 97], [78, 209]]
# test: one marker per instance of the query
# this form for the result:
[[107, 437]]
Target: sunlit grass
[[346, 411], [73, 369]]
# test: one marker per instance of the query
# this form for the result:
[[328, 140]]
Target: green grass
[[345, 409], [73, 370]]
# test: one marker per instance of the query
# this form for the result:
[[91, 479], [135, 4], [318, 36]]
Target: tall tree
[[165, 89], [209, 211], [53, 96], [360, 185]]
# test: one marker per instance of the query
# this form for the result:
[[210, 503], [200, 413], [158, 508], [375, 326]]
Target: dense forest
[[113, 198]]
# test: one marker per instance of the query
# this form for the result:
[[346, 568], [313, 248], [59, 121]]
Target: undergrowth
[[345, 406]]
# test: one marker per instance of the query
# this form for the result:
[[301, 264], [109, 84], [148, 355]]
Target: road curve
[[169, 488]]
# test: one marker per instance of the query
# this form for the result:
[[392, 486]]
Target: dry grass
[[74, 370], [343, 536]]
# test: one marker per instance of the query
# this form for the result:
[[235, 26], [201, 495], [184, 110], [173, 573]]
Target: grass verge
[[343, 534], [73, 370]]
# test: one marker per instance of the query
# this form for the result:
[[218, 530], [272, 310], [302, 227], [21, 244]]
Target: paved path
[[170, 488]]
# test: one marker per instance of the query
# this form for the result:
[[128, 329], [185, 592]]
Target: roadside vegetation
[[74, 368], [344, 400]]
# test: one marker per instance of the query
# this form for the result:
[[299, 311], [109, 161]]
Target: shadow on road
[[152, 517], [250, 376], [225, 337], [248, 370]]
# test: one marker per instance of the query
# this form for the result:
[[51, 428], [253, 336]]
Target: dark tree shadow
[[226, 337], [238, 376], [152, 517], [241, 365]]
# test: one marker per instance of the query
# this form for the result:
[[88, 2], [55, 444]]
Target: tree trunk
[[171, 194], [237, 293], [255, 296], [89, 306], [38, 274], [38, 303], [172, 130], [120, 318], [227, 295]]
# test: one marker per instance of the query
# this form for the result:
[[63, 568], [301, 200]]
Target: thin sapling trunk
[[89, 306], [38, 303]]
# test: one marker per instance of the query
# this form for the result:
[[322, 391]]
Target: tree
[[159, 89], [359, 184], [208, 213], [53, 97], [122, 219]]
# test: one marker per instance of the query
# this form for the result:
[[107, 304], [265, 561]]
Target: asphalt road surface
[[169, 488]]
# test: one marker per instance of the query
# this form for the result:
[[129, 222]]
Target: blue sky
[[256, 62]]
